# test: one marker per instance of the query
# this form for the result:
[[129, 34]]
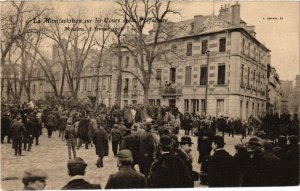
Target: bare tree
[[17, 23], [80, 37], [143, 48]]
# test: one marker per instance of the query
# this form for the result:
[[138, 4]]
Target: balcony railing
[[170, 91]]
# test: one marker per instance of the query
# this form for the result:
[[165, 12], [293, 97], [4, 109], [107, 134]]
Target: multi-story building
[[274, 98], [295, 97], [236, 70], [286, 90]]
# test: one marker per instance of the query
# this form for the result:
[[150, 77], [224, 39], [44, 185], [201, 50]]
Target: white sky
[[280, 36]]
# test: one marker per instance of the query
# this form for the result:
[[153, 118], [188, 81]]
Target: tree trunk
[[62, 81], [146, 94]]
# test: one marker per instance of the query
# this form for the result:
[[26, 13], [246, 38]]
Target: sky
[[281, 36]]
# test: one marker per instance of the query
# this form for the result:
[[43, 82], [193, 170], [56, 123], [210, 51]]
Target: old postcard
[[149, 94]]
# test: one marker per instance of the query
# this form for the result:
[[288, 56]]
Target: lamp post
[[206, 87]]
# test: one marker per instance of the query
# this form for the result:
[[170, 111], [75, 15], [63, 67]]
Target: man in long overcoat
[[147, 147], [18, 130], [126, 177], [222, 167], [100, 140]]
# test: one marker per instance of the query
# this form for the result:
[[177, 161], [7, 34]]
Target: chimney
[[198, 23], [235, 14], [225, 13], [251, 30]]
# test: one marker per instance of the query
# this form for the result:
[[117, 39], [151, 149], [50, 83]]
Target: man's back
[[80, 184], [127, 177], [18, 129], [169, 171]]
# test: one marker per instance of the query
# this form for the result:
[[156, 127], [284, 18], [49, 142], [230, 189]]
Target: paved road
[[51, 156]]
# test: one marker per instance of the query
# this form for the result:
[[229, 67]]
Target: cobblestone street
[[51, 156]]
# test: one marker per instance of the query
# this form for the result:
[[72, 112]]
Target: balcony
[[170, 91]]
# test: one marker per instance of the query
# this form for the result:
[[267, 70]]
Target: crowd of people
[[148, 137]]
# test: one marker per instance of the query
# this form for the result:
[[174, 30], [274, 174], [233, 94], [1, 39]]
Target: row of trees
[[24, 38]]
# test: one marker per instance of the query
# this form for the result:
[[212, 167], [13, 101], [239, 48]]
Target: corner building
[[236, 66]]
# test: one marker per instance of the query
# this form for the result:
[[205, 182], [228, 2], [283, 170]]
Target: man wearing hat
[[127, 177], [5, 127], [146, 149], [184, 153], [222, 167], [76, 169], [253, 167], [18, 130], [116, 137], [130, 141], [34, 179], [169, 171]]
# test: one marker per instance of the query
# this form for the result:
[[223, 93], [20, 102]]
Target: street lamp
[[206, 87]]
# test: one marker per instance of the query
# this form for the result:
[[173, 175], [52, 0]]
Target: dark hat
[[115, 126], [19, 117], [218, 139], [165, 141], [240, 147], [186, 140], [125, 155], [254, 143], [268, 145], [293, 139], [148, 127], [34, 174], [76, 163], [135, 126], [282, 138]]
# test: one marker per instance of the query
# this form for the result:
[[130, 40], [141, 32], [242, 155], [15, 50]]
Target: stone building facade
[[236, 68]]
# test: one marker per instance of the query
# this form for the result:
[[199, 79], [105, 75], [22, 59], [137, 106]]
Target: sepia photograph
[[149, 94]]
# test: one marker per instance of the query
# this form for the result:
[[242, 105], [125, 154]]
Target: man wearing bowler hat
[[127, 177], [169, 171], [222, 167], [76, 169], [184, 153]]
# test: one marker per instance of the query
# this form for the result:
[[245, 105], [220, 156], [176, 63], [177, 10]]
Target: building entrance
[[172, 102]]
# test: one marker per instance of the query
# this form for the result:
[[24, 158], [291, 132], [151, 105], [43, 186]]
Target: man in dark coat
[[292, 161], [184, 153], [5, 127], [204, 141], [62, 125], [18, 130], [273, 170], [50, 124], [100, 140], [28, 135], [222, 168], [187, 124], [127, 177], [116, 137], [131, 142], [84, 132], [169, 171], [147, 147], [76, 169]]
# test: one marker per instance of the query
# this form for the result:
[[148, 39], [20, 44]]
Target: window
[[195, 105], [258, 77], [203, 106], [220, 107], [241, 109], [186, 105], [109, 83], [34, 89], [158, 74], [188, 75], [203, 75], [158, 102], [94, 85], [243, 45], [174, 48], [247, 110], [242, 75], [151, 101], [85, 85], [221, 74], [103, 83], [254, 53], [127, 62], [173, 75], [126, 85], [189, 48], [249, 47], [134, 83], [248, 77], [204, 47], [159, 55], [222, 45], [253, 109]]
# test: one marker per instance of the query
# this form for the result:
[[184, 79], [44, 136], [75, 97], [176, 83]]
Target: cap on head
[[33, 174], [125, 155], [293, 139]]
